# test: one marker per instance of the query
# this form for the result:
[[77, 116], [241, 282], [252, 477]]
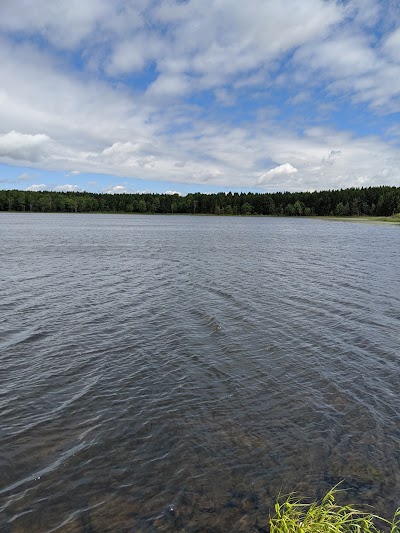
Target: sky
[[199, 95]]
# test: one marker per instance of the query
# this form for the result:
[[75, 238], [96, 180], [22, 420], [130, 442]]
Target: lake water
[[177, 373]]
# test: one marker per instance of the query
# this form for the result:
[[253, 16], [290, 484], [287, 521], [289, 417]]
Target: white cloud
[[128, 57], [300, 97], [65, 23], [126, 155], [37, 187], [173, 192], [364, 12], [218, 40], [346, 55], [67, 188], [132, 53], [56, 188], [57, 119], [207, 38], [169, 85], [350, 62], [392, 45], [24, 147], [124, 189], [116, 189], [281, 170], [74, 111]]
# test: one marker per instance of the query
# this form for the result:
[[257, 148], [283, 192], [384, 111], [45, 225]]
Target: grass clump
[[327, 516]]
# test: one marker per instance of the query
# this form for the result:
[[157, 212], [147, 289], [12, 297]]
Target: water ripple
[[177, 373]]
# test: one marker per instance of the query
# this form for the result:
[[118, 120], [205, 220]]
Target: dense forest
[[375, 201]]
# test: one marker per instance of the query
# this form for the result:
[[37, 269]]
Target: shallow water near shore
[[166, 373]]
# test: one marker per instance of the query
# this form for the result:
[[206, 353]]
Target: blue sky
[[199, 95]]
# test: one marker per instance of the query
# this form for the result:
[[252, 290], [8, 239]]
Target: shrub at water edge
[[327, 516]]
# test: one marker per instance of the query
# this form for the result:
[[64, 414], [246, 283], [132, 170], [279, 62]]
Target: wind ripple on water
[[200, 364]]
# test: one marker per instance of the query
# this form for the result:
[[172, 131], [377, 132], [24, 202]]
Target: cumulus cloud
[[182, 91], [116, 189], [281, 170], [67, 188], [56, 188], [37, 187], [23, 147], [130, 154]]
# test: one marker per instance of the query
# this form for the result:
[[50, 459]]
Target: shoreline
[[363, 219], [369, 219]]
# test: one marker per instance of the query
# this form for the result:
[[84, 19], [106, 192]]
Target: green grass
[[394, 219], [327, 516]]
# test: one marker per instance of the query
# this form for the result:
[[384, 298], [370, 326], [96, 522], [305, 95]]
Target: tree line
[[372, 201]]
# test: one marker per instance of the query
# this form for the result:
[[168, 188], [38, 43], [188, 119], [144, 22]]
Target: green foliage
[[327, 516], [342, 210], [246, 209], [372, 201]]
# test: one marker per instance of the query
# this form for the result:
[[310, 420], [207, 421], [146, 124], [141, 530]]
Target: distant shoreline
[[378, 220], [395, 219]]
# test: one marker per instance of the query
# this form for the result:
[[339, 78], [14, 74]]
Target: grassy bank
[[327, 516], [394, 219]]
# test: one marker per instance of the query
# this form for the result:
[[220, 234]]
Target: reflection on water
[[166, 373]]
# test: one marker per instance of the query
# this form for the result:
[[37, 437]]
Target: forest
[[365, 201]]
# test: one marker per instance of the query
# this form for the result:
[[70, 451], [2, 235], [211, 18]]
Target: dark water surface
[[166, 373]]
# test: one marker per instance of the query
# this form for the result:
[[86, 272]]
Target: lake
[[178, 373]]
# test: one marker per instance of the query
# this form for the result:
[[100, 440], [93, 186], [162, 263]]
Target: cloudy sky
[[199, 95]]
